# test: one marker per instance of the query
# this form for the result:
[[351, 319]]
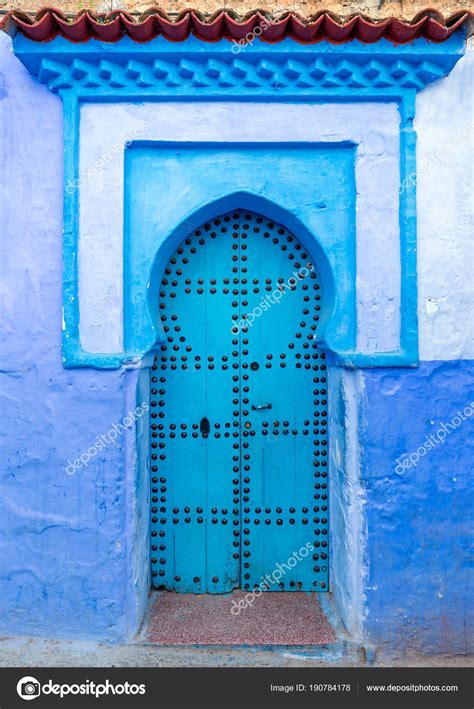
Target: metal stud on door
[[238, 400]]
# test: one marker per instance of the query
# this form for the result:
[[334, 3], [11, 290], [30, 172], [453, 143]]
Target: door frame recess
[[346, 501]]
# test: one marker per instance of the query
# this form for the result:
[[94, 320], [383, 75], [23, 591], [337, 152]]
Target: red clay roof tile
[[49, 23]]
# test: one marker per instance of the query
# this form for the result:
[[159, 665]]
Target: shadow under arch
[[266, 208]]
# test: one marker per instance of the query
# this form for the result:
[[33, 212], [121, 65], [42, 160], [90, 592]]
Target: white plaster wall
[[445, 214], [106, 127]]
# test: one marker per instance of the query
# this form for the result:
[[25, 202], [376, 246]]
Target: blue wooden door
[[239, 414]]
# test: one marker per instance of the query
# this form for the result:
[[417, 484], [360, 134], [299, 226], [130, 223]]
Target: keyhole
[[205, 426]]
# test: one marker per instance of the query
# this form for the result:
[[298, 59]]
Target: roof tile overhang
[[226, 24]]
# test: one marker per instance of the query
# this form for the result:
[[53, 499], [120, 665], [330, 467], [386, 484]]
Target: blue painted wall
[[64, 539], [419, 519], [68, 560]]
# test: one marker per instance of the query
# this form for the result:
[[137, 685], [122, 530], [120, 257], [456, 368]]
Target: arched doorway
[[239, 414]]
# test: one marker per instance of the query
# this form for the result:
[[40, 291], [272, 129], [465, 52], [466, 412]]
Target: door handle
[[261, 407]]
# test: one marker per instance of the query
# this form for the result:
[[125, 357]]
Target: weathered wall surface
[[67, 561], [419, 503], [444, 123], [63, 537], [418, 490]]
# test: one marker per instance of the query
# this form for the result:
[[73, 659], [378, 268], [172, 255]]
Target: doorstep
[[272, 618]]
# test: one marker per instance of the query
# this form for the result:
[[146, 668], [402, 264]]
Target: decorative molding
[[95, 70], [276, 75]]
